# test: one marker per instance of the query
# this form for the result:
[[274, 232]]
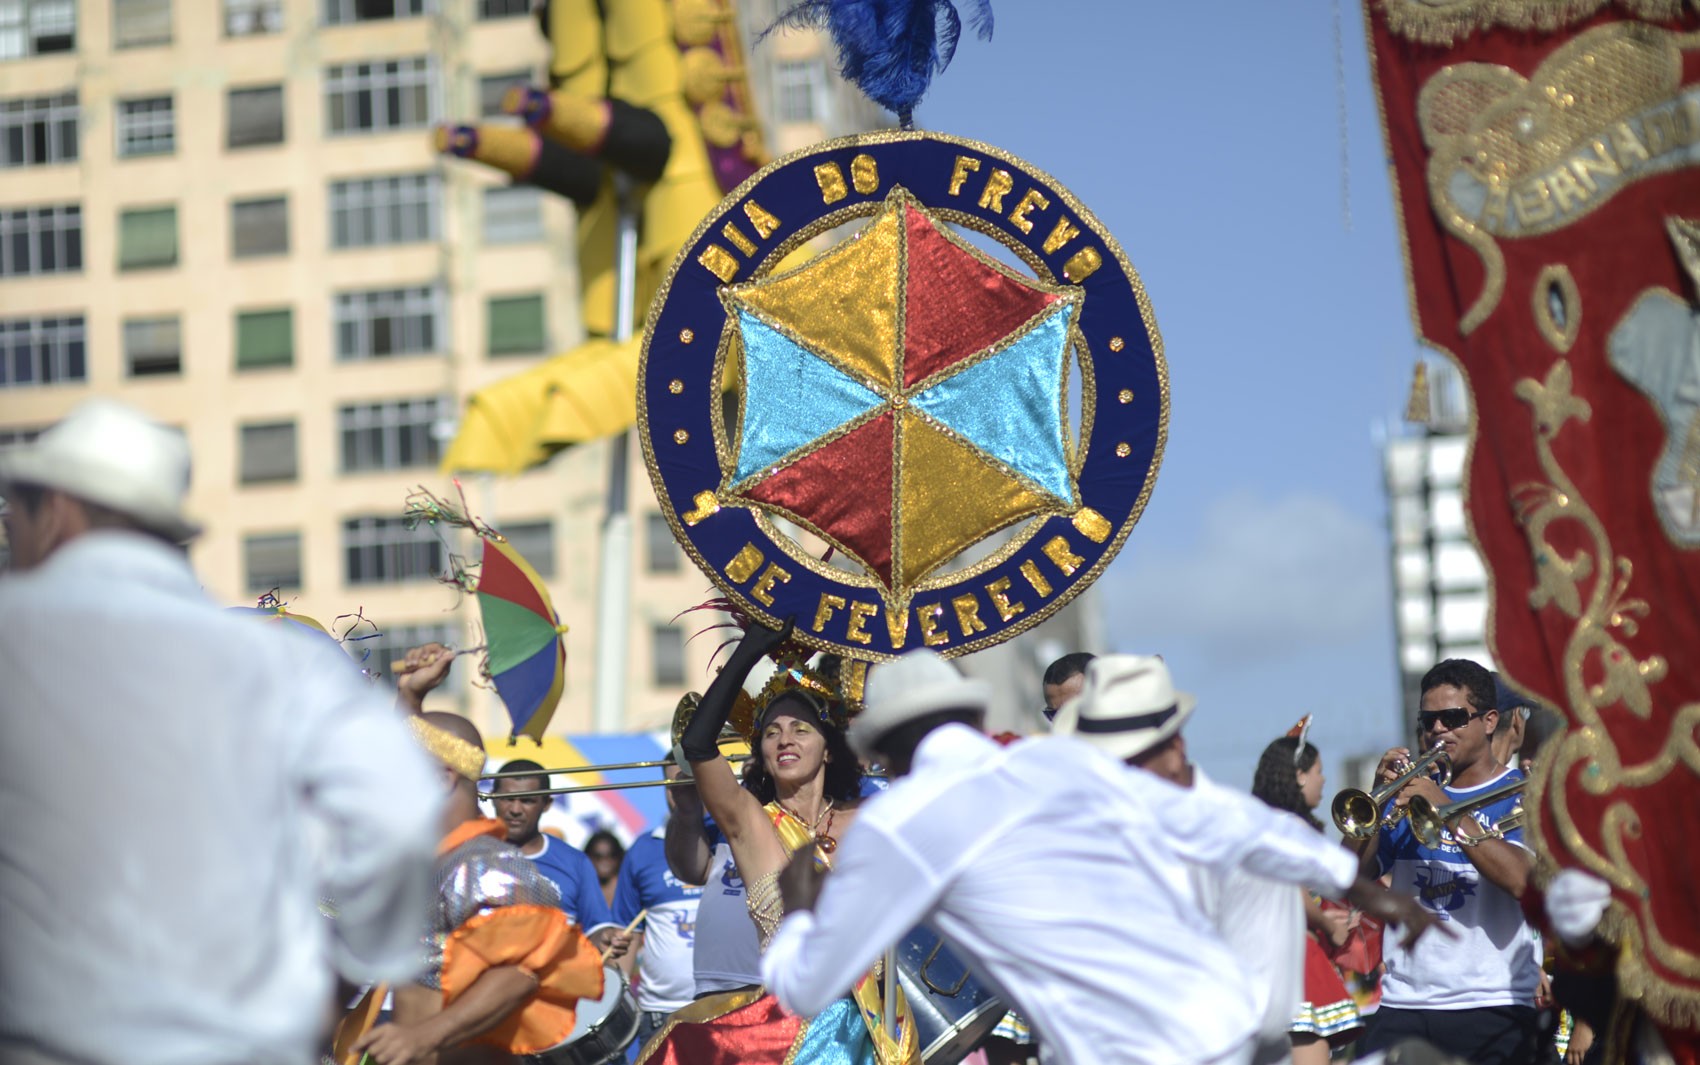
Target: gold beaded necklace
[[821, 836]]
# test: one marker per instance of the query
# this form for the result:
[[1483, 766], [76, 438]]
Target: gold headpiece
[[464, 758], [791, 677]]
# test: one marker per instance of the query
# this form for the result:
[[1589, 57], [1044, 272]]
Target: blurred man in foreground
[[247, 770]]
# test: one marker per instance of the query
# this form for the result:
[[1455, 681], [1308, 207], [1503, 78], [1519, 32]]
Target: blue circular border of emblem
[[746, 236]]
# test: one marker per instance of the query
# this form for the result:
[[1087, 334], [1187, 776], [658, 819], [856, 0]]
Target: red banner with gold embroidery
[[1546, 167]]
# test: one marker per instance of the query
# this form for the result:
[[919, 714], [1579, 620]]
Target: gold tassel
[[1417, 409]]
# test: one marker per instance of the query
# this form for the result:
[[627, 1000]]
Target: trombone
[[681, 715], [575, 789], [1357, 813], [1428, 821]]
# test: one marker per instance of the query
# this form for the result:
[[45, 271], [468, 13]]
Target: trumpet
[[1357, 813], [1428, 821]]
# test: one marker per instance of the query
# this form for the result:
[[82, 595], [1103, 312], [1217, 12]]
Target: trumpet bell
[[1427, 822], [1355, 814]]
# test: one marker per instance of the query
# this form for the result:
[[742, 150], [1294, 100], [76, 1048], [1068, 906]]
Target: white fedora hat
[[1128, 705], [114, 456], [915, 685]]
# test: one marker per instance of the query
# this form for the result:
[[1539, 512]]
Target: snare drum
[[954, 1013], [604, 1029]]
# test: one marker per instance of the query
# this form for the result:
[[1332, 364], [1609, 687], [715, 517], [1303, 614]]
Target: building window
[[535, 542], [42, 351], [41, 240], [271, 561], [147, 238], [516, 325], [513, 214], [267, 452], [798, 84], [247, 18], [37, 27], [254, 117], [493, 88], [13, 437], [38, 130], [140, 22], [146, 127], [386, 551], [259, 227], [390, 436], [342, 11], [378, 324], [264, 339], [385, 94], [503, 8], [392, 642], [662, 549], [384, 210], [667, 656], [153, 346]]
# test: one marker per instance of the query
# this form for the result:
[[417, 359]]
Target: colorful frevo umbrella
[[525, 656]]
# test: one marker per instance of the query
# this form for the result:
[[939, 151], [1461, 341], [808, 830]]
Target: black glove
[[701, 739]]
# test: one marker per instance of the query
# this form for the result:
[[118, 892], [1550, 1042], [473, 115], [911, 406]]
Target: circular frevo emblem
[[905, 390]]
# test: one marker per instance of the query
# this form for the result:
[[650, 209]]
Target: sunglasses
[[1452, 718]]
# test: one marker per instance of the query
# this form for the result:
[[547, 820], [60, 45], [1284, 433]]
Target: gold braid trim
[[1445, 22], [1601, 672], [454, 752]]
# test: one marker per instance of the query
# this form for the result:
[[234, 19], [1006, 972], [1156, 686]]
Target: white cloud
[[1260, 578]]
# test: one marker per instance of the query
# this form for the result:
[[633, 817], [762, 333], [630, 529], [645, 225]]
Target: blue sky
[[1207, 137]]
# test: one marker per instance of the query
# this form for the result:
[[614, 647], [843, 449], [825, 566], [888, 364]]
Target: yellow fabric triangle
[[950, 495], [843, 305]]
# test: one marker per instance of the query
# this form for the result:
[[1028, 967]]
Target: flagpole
[[614, 584]]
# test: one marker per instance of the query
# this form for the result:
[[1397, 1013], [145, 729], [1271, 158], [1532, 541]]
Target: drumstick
[[356, 1023], [627, 930]]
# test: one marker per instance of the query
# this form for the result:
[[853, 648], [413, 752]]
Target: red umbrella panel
[[525, 655]]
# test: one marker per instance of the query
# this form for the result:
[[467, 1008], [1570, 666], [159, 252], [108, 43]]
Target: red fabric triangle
[[499, 577], [844, 490], [955, 305]]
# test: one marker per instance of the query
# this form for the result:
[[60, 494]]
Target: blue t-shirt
[[572, 873], [666, 982], [1495, 959]]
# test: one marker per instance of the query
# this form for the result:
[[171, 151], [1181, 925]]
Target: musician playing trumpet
[[1471, 994]]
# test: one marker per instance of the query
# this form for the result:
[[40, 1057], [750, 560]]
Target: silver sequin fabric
[[481, 874]]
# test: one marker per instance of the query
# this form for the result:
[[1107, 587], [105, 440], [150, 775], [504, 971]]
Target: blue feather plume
[[890, 49]]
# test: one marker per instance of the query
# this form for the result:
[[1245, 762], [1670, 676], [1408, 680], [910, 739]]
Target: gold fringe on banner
[[1445, 22]]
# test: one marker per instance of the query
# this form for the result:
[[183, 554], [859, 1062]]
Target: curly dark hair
[[1277, 779], [843, 772], [1472, 677]]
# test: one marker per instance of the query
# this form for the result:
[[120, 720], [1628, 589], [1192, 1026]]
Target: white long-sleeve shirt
[[1262, 921], [179, 785], [1062, 879]]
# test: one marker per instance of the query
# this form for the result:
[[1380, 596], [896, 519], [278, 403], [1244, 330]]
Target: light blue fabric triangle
[[1008, 405], [792, 397]]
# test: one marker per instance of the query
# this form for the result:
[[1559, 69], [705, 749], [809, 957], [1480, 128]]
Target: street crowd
[[280, 839]]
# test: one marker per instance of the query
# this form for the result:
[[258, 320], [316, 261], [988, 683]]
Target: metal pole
[[614, 583]]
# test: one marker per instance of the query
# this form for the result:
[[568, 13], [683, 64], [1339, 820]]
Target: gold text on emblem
[[933, 619], [999, 184], [725, 265]]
